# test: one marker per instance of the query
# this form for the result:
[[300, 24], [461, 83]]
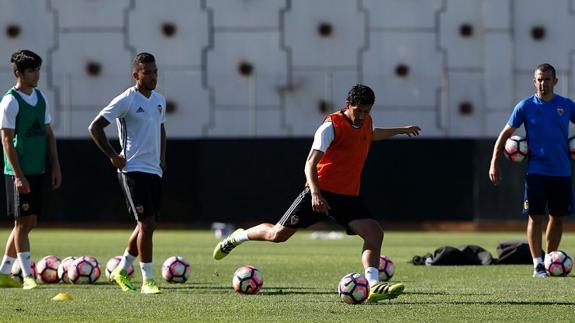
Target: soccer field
[[300, 282]]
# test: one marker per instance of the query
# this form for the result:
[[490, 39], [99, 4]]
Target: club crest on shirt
[[140, 209], [526, 205], [159, 108], [560, 111], [294, 219]]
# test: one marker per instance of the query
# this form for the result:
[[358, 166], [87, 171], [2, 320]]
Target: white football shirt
[[9, 108], [139, 121]]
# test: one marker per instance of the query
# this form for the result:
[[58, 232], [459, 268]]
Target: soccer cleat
[[6, 281], [121, 278], [149, 287], [29, 283], [226, 246], [540, 271], [384, 290]]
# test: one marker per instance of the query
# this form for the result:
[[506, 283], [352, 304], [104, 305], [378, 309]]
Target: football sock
[[7, 263], [127, 260], [241, 237], [372, 275], [537, 261], [24, 258], [147, 272]]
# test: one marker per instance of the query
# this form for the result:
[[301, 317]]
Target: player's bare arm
[[384, 133], [98, 134], [494, 172], [163, 164], [319, 204], [56, 172], [20, 180]]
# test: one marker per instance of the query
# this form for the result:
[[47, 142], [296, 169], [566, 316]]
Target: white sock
[[147, 270], [241, 237], [537, 261], [24, 258], [372, 275], [6, 267], [127, 260]]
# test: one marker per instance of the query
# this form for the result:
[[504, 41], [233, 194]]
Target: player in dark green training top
[[29, 144]]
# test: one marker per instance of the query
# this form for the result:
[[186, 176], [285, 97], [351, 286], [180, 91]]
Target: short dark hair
[[546, 67], [360, 94], [25, 59], [143, 58]]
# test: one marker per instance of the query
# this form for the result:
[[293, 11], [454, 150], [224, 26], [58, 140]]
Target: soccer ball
[[176, 270], [112, 264], [47, 269], [572, 147], [63, 269], [84, 270], [248, 280], [353, 288], [558, 263], [516, 149], [386, 268], [17, 271]]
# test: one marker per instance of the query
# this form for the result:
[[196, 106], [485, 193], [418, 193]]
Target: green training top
[[30, 139]]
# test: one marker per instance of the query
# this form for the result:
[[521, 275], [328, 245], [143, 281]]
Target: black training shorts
[[344, 209], [548, 195], [19, 204], [143, 193]]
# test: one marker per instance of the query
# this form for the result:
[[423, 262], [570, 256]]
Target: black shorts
[[344, 209], [143, 193], [548, 195], [19, 204]]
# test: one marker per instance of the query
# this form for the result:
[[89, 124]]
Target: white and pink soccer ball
[[353, 288], [47, 270], [17, 271], [516, 149], [176, 270], [112, 264], [558, 263], [84, 270], [572, 147], [248, 280], [63, 269], [386, 268]]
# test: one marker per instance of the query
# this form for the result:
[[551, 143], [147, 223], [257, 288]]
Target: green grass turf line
[[300, 282]]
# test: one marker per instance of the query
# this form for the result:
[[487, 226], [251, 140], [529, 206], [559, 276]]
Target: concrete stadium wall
[[274, 68], [254, 180]]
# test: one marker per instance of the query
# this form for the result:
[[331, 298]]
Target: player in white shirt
[[140, 113]]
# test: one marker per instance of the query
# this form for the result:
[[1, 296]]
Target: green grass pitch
[[300, 282]]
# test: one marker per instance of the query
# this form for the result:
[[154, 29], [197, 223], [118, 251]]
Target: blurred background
[[248, 82]]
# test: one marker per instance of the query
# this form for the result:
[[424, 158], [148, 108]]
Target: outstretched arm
[[494, 172], [384, 133], [96, 129]]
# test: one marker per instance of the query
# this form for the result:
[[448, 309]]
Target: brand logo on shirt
[[560, 111], [35, 129], [140, 109]]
